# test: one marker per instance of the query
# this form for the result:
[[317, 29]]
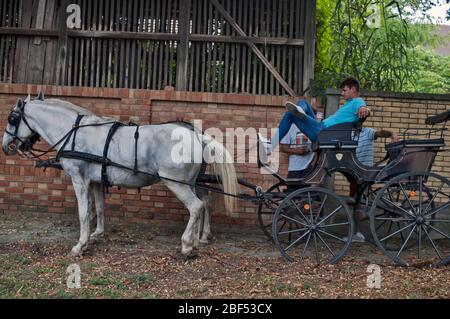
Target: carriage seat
[[338, 136], [396, 148], [436, 142]]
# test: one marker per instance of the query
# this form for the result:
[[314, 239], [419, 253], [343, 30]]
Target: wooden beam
[[258, 53], [62, 44], [183, 46], [152, 36], [310, 43]]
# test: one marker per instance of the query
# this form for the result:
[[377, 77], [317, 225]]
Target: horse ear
[[28, 99], [40, 96], [19, 103]]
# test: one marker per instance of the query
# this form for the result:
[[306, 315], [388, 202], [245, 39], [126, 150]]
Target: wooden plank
[[243, 22], [94, 47], [255, 63], [50, 43], [310, 31], [156, 28], [40, 19], [165, 49], [21, 54], [214, 17], [250, 68], [183, 47], [173, 45], [194, 55], [62, 45]]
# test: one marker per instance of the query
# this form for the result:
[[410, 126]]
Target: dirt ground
[[143, 261]]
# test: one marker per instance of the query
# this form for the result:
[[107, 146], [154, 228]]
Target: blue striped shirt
[[364, 151]]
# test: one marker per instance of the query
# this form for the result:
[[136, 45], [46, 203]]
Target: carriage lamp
[[411, 194], [306, 207]]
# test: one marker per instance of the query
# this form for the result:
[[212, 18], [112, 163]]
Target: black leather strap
[[77, 123], [136, 137], [106, 161]]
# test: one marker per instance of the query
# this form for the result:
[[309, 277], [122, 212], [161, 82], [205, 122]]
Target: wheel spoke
[[394, 219], [439, 231], [299, 210], [434, 196], [306, 246], [419, 246], [438, 210], [432, 243], [310, 207], [331, 235], [331, 214], [293, 220], [406, 195], [282, 226], [317, 250], [333, 225], [406, 241], [296, 241], [420, 193], [395, 233], [396, 206], [441, 220], [328, 247], [322, 205], [379, 226], [292, 231]]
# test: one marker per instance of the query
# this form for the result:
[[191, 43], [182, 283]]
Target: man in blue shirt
[[302, 115]]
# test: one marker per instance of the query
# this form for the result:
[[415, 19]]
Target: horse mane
[[65, 104], [72, 107]]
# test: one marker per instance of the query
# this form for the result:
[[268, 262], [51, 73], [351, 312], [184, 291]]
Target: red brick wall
[[24, 188]]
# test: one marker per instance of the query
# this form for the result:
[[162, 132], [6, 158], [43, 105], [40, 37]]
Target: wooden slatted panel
[[228, 65]]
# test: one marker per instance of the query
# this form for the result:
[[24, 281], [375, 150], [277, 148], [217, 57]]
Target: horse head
[[18, 136]]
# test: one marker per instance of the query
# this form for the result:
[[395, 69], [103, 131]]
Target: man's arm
[[386, 134], [363, 112], [301, 150]]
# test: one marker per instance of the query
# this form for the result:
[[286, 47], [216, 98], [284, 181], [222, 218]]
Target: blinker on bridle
[[14, 119]]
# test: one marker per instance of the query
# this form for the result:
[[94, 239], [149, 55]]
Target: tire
[[407, 213], [306, 225]]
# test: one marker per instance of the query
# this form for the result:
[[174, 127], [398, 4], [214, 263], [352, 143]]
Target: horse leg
[[205, 226], [81, 188], [99, 195], [195, 206]]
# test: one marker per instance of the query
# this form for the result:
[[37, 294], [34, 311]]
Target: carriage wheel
[[312, 223], [267, 208], [410, 218]]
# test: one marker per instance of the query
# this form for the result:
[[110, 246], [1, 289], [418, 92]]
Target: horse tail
[[222, 161]]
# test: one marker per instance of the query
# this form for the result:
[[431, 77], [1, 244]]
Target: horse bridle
[[15, 117]]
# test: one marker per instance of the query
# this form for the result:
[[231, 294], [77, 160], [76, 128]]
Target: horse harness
[[103, 160]]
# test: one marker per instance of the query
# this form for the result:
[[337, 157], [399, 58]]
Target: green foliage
[[432, 73], [383, 56]]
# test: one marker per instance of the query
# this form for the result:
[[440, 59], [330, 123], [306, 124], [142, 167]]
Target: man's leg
[[308, 126], [307, 108]]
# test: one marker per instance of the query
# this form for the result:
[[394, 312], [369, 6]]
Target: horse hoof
[[74, 254], [204, 241], [192, 255], [95, 239]]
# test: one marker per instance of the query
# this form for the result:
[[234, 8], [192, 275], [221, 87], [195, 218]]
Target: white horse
[[150, 162]]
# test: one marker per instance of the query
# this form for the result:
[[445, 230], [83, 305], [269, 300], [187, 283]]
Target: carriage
[[406, 203]]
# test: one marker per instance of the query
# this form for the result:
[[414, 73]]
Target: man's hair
[[350, 82]]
